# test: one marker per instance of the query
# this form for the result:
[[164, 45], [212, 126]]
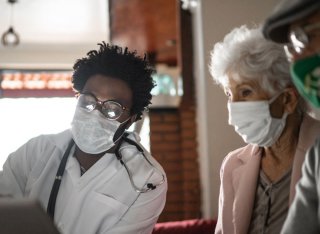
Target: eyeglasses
[[110, 109], [299, 39]]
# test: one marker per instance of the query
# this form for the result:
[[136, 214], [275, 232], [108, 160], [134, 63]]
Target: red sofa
[[193, 226]]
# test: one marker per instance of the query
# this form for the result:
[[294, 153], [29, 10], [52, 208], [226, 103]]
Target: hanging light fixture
[[10, 37]]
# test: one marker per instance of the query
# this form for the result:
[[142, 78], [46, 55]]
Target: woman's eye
[[246, 92]]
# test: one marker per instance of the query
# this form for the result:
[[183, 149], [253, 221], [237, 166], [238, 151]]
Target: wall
[[165, 33], [212, 20], [146, 26], [173, 144], [52, 33]]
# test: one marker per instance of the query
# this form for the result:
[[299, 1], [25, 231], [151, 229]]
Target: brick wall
[[173, 137], [189, 155], [173, 144], [172, 130]]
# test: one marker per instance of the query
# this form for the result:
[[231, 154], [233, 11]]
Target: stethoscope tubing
[[150, 186], [57, 181]]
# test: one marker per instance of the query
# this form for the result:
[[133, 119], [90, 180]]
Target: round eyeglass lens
[[299, 39], [112, 110], [87, 102]]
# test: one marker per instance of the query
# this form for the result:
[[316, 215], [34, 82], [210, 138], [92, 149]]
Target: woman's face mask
[[253, 122], [92, 132], [306, 77]]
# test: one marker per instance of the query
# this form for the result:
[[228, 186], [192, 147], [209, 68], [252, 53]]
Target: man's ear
[[290, 100]]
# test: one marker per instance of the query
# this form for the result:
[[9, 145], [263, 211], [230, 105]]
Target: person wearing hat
[[296, 24]]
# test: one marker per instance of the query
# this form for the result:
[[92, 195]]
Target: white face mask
[[92, 132], [254, 123]]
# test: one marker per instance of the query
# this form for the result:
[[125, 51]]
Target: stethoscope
[[63, 163]]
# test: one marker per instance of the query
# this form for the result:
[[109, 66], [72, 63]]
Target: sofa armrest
[[193, 226]]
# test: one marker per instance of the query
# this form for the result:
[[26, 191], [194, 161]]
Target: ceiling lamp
[[10, 37]]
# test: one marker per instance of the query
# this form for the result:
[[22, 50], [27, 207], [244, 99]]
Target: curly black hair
[[114, 61]]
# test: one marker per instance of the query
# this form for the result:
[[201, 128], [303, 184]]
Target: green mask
[[306, 77]]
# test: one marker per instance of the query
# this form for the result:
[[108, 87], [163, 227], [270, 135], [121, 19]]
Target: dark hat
[[276, 26]]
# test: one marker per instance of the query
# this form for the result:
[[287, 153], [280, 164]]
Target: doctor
[[95, 177]]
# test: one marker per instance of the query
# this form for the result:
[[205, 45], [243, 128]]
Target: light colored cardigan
[[239, 175]]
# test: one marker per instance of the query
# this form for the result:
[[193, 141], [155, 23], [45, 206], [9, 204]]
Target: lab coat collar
[[62, 140], [108, 165], [105, 167]]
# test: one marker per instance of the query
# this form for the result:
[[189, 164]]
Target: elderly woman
[[258, 180]]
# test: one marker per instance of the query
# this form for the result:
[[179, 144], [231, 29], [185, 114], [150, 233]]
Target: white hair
[[246, 55]]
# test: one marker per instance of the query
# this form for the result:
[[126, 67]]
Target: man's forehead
[[286, 13], [313, 18]]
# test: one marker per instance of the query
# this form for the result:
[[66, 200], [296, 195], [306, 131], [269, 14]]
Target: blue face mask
[[306, 77]]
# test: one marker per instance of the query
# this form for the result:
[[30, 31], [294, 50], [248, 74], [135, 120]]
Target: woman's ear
[[291, 98]]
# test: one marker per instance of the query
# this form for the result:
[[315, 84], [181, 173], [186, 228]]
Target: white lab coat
[[101, 201]]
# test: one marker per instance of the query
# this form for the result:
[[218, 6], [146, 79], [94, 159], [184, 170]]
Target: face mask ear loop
[[124, 122], [118, 155], [275, 97], [285, 114]]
